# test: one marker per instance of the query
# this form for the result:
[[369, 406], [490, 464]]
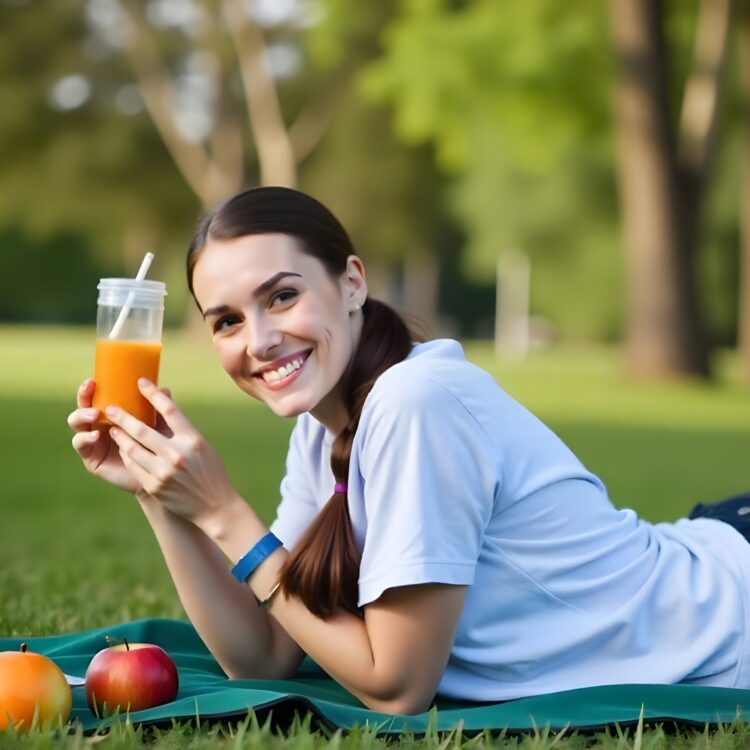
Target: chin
[[286, 413], [289, 408]]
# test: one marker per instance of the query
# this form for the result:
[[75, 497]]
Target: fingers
[[161, 425], [150, 471], [161, 401], [83, 419], [150, 468], [85, 416], [144, 479], [148, 437], [85, 393], [84, 443]]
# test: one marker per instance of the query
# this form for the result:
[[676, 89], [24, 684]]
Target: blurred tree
[[77, 153], [516, 98], [388, 195], [390, 198], [663, 176], [220, 38], [125, 117], [336, 45]]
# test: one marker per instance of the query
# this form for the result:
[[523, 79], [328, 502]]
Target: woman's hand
[[179, 468], [92, 442]]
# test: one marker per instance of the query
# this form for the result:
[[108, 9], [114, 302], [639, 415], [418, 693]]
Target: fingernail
[[92, 413], [144, 382], [112, 411]]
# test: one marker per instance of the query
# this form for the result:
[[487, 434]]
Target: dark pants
[[735, 511]]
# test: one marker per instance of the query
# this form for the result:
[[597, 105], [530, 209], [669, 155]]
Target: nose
[[263, 337]]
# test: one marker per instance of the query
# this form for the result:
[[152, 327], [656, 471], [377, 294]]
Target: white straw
[[122, 317]]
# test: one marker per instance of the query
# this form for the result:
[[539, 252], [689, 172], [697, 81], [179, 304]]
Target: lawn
[[76, 554]]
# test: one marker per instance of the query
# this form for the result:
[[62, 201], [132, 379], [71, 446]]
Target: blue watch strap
[[252, 559]]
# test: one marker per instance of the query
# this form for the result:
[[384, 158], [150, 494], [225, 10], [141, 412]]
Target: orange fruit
[[28, 680]]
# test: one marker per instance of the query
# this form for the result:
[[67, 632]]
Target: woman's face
[[270, 306]]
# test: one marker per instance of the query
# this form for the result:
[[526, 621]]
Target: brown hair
[[323, 568]]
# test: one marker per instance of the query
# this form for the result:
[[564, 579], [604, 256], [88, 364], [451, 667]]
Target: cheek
[[337, 355], [230, 359]]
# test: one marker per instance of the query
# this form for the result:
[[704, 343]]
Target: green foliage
[[512, 68], [65, 292], [387, 195], [88, 170], [517, 100], [98, 172], [457, 130]]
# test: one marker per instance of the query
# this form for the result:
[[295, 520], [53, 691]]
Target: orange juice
[[117, 367]]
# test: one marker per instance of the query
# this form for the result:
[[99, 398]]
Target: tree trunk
[[664, 335], [274, 148], [743, 339]]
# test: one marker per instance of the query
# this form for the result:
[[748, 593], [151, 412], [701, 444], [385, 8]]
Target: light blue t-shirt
[[452, 481]]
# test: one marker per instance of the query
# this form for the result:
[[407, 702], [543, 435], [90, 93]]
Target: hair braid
[[323, 569]]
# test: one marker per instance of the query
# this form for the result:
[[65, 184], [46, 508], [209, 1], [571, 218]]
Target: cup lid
[[147, 286]]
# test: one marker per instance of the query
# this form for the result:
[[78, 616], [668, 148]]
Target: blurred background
[[586, 156], [563, 186]]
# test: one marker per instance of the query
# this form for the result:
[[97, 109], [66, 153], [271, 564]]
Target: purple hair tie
[[339, 487]]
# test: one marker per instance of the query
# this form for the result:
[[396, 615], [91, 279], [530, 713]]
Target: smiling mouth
[[283, 376]]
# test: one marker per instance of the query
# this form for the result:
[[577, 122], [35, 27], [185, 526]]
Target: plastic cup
[[135, 350]]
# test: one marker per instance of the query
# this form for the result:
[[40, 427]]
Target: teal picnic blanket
[[206, 692]]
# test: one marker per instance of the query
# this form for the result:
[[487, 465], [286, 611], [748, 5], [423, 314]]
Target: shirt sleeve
[[298, 506], [430, 479]]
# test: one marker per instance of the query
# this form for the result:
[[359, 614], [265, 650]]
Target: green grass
[[77, 554]]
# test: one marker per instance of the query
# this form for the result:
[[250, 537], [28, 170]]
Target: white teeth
[[274, 375]]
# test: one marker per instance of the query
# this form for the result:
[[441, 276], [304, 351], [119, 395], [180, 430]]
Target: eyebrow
[[262, 289]]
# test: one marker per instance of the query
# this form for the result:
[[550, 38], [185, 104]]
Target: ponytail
[[323, 569]]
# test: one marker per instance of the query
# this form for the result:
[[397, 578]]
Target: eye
[[285, 295], [225, 322]]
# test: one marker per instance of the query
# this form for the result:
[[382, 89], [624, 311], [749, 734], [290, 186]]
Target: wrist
[[154, 511], [142, 496], [232, 525]]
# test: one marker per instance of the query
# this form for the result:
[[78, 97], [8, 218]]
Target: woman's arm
[[392, 660], [242, 637]]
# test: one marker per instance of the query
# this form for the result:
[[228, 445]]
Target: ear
[[355, 284]]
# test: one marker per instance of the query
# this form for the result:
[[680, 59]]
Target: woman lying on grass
[[433, 537]]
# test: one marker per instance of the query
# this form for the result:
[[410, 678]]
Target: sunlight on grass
[[588, 385]]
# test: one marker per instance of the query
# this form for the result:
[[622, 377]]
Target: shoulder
[[436, 373], [433, 387]]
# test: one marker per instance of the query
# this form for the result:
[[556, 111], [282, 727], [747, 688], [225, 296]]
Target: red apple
[[29, 683], [131, 677]]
